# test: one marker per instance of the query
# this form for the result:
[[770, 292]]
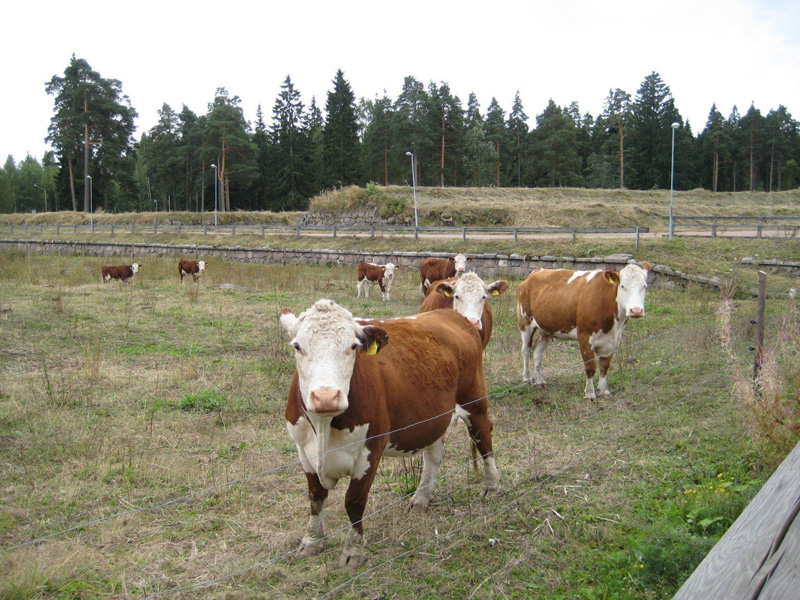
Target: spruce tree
[[340, 135]]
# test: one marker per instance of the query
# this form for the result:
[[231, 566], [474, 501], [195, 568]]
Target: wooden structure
[[759, 556]]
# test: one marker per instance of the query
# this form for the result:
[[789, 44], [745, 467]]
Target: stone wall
[[514, 266]]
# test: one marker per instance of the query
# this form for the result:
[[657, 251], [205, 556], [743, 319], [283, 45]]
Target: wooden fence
[[759, 227]]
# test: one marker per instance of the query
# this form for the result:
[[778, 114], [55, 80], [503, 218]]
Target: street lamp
[[45, 195], [213, 166], [414, 184], [91, 200], [671, 183]]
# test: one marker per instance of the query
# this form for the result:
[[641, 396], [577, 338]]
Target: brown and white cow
[[363, 389], [435, 269], [123, 272], [591, 307], [383, 275], [467, 295], [194, 268]]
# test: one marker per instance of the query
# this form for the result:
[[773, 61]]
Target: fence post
[[334, 230], [26, 230], [263, 231], [714, 227], [760, 226], [372, 230], [205, 229], [133, 229], [298, 231], [515, 234], [74, 229], [11, 231], [112, 230], [759, 348], [233, 230], [41, 229], [58, 229], [180, 228], [416, 233], [637, 239], [463, 234], [155, 228], [574, 235]]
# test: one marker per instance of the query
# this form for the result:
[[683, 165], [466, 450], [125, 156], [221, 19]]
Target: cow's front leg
[[313, 542], [354, 553], [588, 365], [431, 459], [602, 385], [527, 342], [480, 430], [539, 347]]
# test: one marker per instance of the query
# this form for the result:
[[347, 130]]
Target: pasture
[[143, 447]]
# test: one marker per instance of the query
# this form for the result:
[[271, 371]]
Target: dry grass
[[94, 421]]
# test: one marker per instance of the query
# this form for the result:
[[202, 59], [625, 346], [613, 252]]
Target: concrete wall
[[486, 265]]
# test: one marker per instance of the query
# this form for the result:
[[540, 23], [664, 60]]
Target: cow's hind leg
[[527, 340], [313, 541], [480, 430], [431, 459], [602, 385]]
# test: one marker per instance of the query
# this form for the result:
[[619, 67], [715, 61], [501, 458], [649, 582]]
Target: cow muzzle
[[636, 313], [476, 323], [327, 401]]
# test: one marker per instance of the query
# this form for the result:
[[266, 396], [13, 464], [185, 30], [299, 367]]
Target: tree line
[[197, 162]]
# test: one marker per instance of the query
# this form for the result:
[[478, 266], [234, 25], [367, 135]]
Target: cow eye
[[296, 346], [354, 346]]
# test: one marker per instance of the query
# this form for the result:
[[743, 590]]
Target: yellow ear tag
[[495, 293], [610, 279], [373, 348], [445, 293]]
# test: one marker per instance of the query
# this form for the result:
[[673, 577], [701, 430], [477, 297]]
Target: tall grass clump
[[771, 400]]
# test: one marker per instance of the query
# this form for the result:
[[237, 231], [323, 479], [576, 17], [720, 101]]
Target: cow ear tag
[[373, 348], [495, 293], [610, 279], [445, 293]]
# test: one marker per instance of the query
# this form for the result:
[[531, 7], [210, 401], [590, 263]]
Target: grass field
[[152, 413]]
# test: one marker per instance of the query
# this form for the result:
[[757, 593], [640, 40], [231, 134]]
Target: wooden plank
[[759, 556]]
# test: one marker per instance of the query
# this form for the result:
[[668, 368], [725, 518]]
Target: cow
[[591, 307], [194, 268], [363, 389], [467, 295], [434, 269], [383, 275], [122, 272]]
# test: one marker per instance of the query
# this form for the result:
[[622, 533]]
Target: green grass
[[116, 396]]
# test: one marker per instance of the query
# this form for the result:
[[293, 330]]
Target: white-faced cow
[[194, 268], [122, 272], [363, 389], [435, 269], [591, 307], [383, 275], [467, 295]]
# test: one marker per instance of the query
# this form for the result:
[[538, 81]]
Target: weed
[[207, 401]]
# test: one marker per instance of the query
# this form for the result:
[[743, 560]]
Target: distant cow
[[194, 268], [434, 269], [123, 272], [591, 307], [364, 389], [383, 275], [467, 295]]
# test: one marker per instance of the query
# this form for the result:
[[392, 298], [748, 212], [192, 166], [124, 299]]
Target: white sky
[[728, 52]]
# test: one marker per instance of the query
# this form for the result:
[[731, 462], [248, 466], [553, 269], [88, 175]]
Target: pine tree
[[447, 119], [517, 126], [713, 142], [410, 127], [289, 139], [556, 159], [377, 139], [752, 136], [496, 133], [340, 135]]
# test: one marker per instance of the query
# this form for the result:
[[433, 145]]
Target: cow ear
[[611, 277], [498, 287], [288, 320], [373, 339], [383, 269], [445, 289], [469, 259], [647, 268]]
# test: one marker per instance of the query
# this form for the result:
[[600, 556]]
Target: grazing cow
[[591, 307], [383, 275], [194, 268], [123, 272], [365, 388], [467, 295], [434, 269]]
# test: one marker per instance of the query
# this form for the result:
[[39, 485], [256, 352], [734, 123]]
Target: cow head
[[135, 268], [632, 285], [326, 339], [469, 294], [201, 265], [388, 272], [461, 263]]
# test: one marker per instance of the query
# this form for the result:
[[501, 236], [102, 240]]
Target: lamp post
[[213, 166], [91, 200], [45, 195], [671, 183], [414, 186]]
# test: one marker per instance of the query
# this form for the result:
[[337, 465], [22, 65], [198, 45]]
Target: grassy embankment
[[115, 397]]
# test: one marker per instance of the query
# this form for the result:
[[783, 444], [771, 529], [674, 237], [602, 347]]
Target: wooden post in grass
[[758, 556], [762, 299]]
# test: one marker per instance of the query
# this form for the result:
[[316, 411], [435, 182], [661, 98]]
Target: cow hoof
[[417, 506], [490, 491], [308, 547], [605, 394], [351, 559], [592, 398]]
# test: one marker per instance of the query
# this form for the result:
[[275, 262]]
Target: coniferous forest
[[299, 147]]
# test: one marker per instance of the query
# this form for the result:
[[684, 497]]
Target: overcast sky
[[728, 52]]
